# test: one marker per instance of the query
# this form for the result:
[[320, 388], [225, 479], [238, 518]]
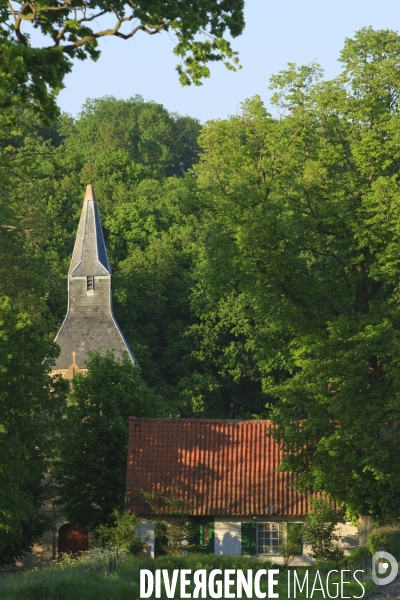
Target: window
[[201, 529], [202, 533], [90, 282], [270, 537]]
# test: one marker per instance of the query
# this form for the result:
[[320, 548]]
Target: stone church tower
[[90, 323]]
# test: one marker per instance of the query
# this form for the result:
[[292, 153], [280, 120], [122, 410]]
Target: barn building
[[225, 471]]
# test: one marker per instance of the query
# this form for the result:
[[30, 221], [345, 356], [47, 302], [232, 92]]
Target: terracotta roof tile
[[219, 467]]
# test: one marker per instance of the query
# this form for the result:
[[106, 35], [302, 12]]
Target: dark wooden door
[[72, 539]]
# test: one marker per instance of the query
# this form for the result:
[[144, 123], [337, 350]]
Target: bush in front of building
[[121, 534], [208, 562], [319, 529], [357, 556], [386, 538], [174, 530], [293, 544]]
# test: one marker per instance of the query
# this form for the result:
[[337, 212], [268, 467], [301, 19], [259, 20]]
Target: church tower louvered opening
[[90, 323]]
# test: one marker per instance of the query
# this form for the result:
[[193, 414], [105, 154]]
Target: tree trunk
[[365, 525]]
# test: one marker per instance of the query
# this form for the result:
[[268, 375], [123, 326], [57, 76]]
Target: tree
[[31, 404], [121, 533], [119, 143], [35, 74], [319, 529], [31, 234], [297, 280], [90, 465], [292, 547]]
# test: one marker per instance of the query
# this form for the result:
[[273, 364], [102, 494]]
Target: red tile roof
[[218, 467]]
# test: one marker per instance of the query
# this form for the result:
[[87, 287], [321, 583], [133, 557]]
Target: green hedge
[[385, 538]]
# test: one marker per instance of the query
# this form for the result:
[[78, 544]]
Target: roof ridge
[[197, 420]]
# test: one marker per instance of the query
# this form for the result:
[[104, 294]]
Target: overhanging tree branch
[[35, 75]]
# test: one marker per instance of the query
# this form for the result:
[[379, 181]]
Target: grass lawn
[[87, 580]]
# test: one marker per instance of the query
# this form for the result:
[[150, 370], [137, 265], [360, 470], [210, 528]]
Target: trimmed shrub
[[385, 538]]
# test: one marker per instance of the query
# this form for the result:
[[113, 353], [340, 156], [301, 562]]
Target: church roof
[[89, 256], [218, 467]]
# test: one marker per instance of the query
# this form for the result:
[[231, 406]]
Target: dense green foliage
[[298, 278], [385, 538], [293, 544], [34, 75], [121, 534], [91, 450], [30, 407], [357, 556]]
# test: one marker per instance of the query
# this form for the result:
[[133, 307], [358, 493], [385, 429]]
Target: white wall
[[348, 535], [227, 535], [146, 531]]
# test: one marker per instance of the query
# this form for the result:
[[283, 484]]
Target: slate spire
[[89, 256], [90, 323]]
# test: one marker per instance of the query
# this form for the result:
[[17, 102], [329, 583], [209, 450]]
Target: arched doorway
[[72, 539]]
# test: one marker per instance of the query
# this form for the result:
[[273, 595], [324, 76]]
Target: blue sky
[[276, 33]]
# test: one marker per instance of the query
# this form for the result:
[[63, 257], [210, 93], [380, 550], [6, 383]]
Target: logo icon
[[383, 560]]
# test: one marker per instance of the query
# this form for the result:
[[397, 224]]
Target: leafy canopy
[[71, 29], [31, 405], [297, 281]]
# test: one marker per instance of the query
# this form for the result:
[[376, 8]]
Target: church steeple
[[90, 323], [89, 256]]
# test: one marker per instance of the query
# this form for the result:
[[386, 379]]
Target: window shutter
[[294, 534], [211, 545], [202, 542], [249, 538]]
